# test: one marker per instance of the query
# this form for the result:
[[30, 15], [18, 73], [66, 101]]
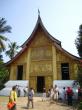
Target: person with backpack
[[30, 98]]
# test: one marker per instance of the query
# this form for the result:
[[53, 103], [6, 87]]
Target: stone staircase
[[23, 83]]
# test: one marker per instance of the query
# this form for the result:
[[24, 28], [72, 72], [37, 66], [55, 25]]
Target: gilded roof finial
[[38, 12]]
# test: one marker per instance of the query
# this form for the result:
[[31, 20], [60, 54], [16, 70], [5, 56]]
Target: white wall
[[8, 86]]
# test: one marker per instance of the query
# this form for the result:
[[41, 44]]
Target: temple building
[[42, 60]]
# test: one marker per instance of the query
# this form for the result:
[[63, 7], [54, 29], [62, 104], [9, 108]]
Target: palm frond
[[2, 46], [3, 27], [12, 51], [3, 38]]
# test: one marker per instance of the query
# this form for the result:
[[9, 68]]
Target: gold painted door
[[48, 82], [32, 83]]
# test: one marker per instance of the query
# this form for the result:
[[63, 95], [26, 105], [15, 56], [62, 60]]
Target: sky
[[61, 18]]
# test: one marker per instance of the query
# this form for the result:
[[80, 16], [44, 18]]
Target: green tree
[[12, 51], [79, 76], [4, 74], [3, 29], [78, 41], [3, 70]]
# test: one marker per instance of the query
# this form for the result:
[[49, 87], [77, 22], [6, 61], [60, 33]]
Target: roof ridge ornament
[[38, 13]]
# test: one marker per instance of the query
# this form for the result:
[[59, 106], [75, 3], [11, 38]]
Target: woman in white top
[[44, 94], [56, 93]]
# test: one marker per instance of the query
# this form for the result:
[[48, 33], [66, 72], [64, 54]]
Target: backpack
[[30, 95]]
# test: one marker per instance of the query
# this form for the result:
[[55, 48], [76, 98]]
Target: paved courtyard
[[38, 104]]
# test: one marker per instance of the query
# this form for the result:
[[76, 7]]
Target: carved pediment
[[41, 53], [41, 67], [40, 39]]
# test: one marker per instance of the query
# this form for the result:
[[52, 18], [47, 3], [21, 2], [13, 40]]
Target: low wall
[[21, 84]]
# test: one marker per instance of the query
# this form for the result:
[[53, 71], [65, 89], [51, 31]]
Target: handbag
[[10, 105]]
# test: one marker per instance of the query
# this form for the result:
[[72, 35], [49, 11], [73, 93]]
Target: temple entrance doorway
[[40, 83]]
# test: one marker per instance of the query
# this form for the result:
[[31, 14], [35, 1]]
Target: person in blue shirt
[[30, 98]]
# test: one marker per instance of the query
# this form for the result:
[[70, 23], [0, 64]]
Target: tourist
[[64, 95], [48, 94], [56, 93], [69, 93], [30, 97], [25, 91], [44, 94], [19, 91], [13, 97], [79, 94], [51, 94]]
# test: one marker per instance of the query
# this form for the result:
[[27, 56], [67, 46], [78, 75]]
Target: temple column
[[13, 73], [75, 71], [54, 63], [28, 64]]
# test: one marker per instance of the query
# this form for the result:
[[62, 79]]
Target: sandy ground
[[38, 104]]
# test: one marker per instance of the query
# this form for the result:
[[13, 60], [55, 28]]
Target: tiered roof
[[56, 42]]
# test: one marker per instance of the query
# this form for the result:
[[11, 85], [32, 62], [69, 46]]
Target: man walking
[[30, 98]]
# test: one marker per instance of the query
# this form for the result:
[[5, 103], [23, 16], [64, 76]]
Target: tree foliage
[[3, 29], [78, 41], [79, 76], [12, 51], [4, 74]]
